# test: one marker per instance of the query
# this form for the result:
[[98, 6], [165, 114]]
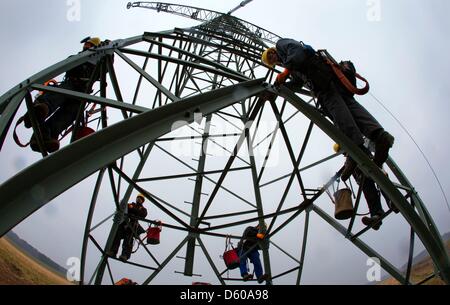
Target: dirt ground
[[16, 268]]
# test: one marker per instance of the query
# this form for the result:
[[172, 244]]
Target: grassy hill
[[34, 253], [17, 268], [422, 269]]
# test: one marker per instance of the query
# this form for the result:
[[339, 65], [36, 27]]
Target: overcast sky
[[401, 49]]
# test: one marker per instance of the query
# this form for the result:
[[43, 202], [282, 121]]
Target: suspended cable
[[418, 147]]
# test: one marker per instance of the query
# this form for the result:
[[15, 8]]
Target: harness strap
[[344, 80], [337, 69], [16, 137]]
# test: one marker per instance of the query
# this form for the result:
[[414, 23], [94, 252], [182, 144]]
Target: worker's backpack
[[349, 71], [346, 73]]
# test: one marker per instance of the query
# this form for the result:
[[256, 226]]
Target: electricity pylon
[[193, 81]]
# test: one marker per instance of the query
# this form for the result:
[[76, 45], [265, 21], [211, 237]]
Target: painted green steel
[[190, 248], [430, 239], [385, 264], [223, 33], [51, 176]]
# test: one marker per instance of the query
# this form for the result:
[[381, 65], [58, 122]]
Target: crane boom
[[205, 15], [242, 4]]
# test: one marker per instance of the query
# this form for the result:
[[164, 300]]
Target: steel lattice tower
[[202, 76]]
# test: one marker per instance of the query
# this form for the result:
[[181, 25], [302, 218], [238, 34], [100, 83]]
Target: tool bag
[[346, 73], [153, 233], [230, 256]]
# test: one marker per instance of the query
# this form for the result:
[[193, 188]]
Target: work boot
[[40, 110], [247, 277], [123, 258], [263, 278], [349, 168], [382, 145], [110, 254], [369, 221], [50, 144]]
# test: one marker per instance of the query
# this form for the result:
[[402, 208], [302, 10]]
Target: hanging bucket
[[343, 204], [153, 234], [230, 256], [231, 259], [83, 132]]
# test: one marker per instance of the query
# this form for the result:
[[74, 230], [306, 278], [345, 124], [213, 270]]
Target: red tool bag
[[230, 256], [153, 233]]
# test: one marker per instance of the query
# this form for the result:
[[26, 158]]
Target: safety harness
[[338, 71], [84, 131]]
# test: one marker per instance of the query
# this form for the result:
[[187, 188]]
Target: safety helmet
[[141, 196], [95, 41], [336, 147], [265, 56]]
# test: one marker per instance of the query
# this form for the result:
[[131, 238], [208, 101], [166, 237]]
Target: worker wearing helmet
[[248, 248], [91, 42], [55, 112], [305, 66], [129, 228]]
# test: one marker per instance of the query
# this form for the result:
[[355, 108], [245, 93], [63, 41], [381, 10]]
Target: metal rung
[[187, 202], [180, 257], [428, 278], [196, 275], [370, 227], [405, 188]]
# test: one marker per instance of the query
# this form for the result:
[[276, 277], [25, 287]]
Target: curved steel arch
[[425, 229], [211, 53], [85, 157]]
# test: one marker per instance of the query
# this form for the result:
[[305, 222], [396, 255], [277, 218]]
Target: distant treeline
[[31, 251]]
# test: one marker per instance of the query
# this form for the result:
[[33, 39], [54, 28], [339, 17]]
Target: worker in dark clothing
[[248, 248], [372, 195], [129, 228], [306, 66], [56, 112]]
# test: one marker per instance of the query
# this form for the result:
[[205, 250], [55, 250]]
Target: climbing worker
[[248, 248], [307, 67], [56, 112], [129, 228], [372, 195]]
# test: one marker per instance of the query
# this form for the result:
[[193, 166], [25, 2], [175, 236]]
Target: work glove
[[104, 43], [282, 77]]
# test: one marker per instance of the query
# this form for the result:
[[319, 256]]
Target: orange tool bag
[[230, 256], [153, 233], [342, 70]]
